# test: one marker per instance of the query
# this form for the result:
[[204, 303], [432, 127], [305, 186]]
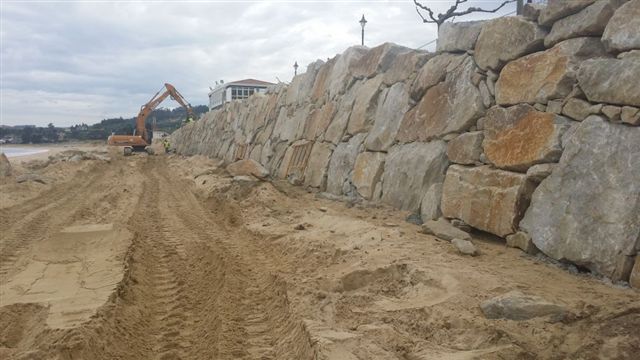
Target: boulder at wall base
[[520, 136], [410, 170], [609, 80], [247, 167], [459, 36], [507, 38], [522, 241], [430, 205], [590, 21], [342, 163], [621, 33], [453, 105], [515, 305], [557, 9], [545, 75], [315, 174], [588, 210], [5, 166], [485, 198], [367, 172], [634, 279]]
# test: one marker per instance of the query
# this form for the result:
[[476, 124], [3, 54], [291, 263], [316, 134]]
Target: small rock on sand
[[414, 219], [247, 167], [465, 247], [515, 305], [442, 229], [75, 158], [31, 177]]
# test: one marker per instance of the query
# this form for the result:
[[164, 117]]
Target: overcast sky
[[69, 62]]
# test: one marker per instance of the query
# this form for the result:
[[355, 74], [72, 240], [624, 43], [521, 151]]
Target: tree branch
[[452, 12]]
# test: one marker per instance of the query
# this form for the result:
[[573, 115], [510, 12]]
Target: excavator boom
[[141, 137]]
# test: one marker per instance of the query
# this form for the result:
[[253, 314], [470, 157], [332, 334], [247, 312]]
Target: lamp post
[[295, 68], [363, 22]]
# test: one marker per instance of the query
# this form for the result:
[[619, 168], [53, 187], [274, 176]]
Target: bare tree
[[452, 12]]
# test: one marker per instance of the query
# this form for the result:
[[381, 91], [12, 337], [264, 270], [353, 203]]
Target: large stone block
[[321, 81], [588, 210], [545, 75], [557, 9], [450, 106], [315, 174], [342, 164], [433, 72], [507, 38], [518, 137], [404, 65], [621, 33], [364, 106], [611, 80], [458, 36], [590, 21], [341, 77], [466, 148], [392, 106], [409, 172], [290, 124], [377, 60], [319, 120], [367, 172], [299, 90], [338, 125], [485, 198]]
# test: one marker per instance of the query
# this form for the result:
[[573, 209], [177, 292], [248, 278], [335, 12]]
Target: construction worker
[[166, 144]]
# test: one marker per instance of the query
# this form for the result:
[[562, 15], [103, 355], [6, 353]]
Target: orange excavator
[[142, 137]]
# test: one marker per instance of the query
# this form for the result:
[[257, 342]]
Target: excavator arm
[[158, 98], [141, 138]]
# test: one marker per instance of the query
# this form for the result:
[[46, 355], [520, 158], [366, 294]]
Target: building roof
[[250, 82]]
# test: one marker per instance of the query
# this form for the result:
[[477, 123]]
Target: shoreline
[[46, 150]]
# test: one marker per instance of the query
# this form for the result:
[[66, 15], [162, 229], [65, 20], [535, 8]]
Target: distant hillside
[[167, 120]]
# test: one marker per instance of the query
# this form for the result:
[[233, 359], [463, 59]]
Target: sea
[[21, 151]]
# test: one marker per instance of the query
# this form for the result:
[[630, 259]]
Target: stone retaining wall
[[518, 125]]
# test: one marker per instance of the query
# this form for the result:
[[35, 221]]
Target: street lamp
[[363, 22], [295, 68]]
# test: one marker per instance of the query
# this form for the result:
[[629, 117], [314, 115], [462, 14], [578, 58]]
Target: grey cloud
[[80, 62]]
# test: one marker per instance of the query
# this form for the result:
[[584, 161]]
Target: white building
[[236, 90]]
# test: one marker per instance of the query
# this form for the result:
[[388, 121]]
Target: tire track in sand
[[27, 223]]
